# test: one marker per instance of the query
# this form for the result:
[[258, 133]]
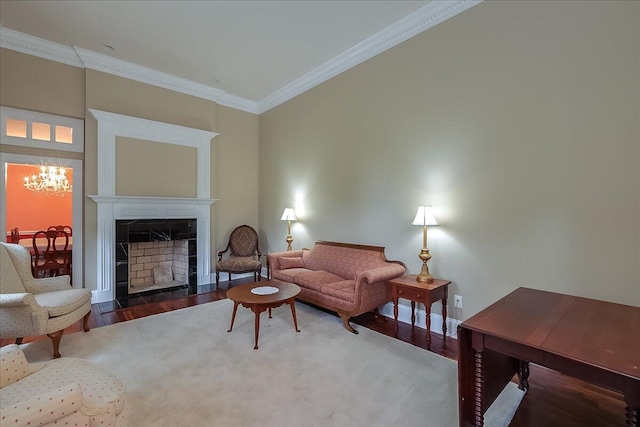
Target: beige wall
[[37, 84], [154, 169], [518, 121], [236, 174]]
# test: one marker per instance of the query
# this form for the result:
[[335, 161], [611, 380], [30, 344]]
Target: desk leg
[[523, 375], [632, 416], [478, 385]]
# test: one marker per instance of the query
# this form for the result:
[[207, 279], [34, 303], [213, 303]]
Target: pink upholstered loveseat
[[346, 278]]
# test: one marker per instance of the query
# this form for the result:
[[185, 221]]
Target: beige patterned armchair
[[244, 254], [31, 307]]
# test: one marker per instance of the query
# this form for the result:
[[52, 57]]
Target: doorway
[[43, 210]]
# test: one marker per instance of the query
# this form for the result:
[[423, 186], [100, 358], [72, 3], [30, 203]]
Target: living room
[[517, 121]]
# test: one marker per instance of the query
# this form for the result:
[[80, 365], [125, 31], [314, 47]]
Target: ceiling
[[249, 49]]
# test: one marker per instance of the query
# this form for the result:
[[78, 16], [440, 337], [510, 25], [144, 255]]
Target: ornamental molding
[[411, 25]]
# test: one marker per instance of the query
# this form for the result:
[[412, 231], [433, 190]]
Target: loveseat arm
[[273, 259], [48, 284], [44, 408], [386, 272]]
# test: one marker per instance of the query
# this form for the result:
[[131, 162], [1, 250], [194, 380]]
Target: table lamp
[[288, 215], [424, 217]]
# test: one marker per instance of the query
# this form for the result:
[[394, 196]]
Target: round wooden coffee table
[[242, 295]]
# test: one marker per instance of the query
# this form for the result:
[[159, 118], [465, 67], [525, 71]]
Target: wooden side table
[[427, 293]]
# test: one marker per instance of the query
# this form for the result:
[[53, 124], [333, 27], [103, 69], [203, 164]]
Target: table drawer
[[411, 294]]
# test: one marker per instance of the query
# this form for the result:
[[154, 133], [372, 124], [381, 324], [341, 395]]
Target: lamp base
[[424, 276], [289, 239]]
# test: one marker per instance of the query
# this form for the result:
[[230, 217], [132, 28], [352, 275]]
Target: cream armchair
[[31, 307], [61, 392]]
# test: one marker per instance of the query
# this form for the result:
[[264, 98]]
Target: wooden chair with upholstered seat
[[66, 228], [51, 255], [15, 236], [244, 254]]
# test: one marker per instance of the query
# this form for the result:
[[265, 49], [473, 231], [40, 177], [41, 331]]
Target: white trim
[[42, 48], [404, 316], [127, 70], [415, 23], [77, 125], [112, 207], [111, 125], [77, 198]]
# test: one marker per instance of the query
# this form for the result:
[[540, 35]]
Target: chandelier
[[51, 179]]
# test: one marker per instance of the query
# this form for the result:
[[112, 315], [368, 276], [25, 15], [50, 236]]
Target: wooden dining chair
[[69, 231], [15, 235], [65, 228], [51, 255]]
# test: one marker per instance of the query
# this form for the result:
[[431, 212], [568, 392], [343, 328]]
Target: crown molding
[[83, 58], [31, 45], [421, 20], [128, 70], [411, 25]]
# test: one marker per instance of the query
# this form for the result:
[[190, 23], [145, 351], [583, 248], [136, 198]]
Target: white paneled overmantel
[[112, 207]]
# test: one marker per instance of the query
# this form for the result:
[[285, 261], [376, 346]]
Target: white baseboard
[[404, 316]]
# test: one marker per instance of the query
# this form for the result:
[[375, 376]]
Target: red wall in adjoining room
[[32, 211]]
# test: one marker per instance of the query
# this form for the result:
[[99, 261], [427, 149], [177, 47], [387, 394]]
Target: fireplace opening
[[154, 254]]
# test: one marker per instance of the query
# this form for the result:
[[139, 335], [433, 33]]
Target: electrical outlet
[[457, 301]]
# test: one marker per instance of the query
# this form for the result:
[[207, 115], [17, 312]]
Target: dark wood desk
[[592, 340]]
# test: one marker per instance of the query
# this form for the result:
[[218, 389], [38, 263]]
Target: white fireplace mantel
[[112, 207]]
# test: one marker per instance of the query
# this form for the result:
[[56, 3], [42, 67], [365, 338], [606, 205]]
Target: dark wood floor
[[552, 400]]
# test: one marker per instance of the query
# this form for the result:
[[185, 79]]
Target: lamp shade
[[288, 215], [425, 216]]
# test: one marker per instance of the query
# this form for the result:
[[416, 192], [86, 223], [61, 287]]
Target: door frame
[[77, 205]]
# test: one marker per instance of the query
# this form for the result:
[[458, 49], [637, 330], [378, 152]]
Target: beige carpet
[[182, 368]]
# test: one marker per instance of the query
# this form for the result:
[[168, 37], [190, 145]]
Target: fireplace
[[154, 254], [112, 207]]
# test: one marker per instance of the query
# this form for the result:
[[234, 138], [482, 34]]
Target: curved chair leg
[[19, 340], [345, 321], [55, 340], [85, 322]]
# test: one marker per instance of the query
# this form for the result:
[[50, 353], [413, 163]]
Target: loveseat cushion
[[345, 290], [291, 262], [59, 303], [316, 279], [289, 275]]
